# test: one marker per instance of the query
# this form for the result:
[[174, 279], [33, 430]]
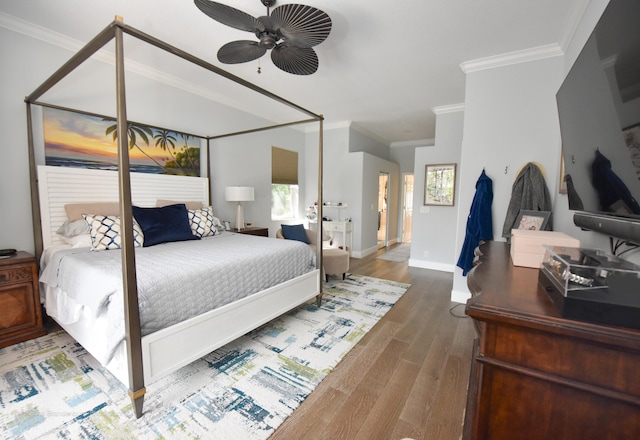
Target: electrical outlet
[[426, 254]]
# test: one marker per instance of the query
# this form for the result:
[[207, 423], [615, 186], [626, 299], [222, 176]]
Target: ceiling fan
[[289, 31]]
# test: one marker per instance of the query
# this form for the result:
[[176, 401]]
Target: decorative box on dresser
[[20, 312], [537, 375]]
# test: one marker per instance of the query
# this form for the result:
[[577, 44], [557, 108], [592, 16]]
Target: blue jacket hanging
[[479, 222]]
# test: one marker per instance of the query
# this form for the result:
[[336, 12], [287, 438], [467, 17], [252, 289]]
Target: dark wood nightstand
[[20, 311], [262, 232]]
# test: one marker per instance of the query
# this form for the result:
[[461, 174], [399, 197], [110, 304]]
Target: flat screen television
[[599, 111]]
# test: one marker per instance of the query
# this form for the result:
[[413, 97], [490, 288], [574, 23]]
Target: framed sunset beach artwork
[[81, 140]]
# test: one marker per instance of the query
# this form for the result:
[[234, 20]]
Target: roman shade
[[284, 166]]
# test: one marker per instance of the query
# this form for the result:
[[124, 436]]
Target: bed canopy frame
[[116, 30]]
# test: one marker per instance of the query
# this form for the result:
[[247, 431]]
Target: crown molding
[[452, 108], [579, 9], [416, 143], [38, 32], [511, 58]]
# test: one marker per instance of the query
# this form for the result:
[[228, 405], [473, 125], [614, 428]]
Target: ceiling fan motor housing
[[268, 39]]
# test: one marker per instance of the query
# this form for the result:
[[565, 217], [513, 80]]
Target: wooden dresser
[[20, 311], [536, 375]]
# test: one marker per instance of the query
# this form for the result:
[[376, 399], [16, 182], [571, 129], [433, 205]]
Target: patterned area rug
[[51, 387], [398, 254]]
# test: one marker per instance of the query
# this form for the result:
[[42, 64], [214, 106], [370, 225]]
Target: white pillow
[[78, 241], [202, 222], [105, 232]]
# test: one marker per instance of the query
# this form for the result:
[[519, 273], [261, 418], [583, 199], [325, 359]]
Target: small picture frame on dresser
[[532, 220]]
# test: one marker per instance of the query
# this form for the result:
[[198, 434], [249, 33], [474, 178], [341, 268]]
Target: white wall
[[17, 79], [361, 140], [351, 177], [434, 227], [510, 119], [405, 157], [245, 160], [368, 234]]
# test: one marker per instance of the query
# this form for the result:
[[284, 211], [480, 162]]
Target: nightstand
[[20, 311], [262, 232]]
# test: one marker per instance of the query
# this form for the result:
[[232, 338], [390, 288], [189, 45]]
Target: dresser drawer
[[20, 311], [15, 274], [337, 226]]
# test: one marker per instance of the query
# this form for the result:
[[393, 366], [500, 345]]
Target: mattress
[[176, 281]]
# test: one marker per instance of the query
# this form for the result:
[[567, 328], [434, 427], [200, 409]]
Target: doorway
[[383, 197], [407, 206]]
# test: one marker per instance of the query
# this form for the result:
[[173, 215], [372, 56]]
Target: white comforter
[[176, 281]]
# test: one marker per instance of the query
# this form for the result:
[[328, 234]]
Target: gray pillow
[[72, 228]]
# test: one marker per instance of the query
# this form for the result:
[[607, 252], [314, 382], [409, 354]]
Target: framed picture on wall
[[440, 184]]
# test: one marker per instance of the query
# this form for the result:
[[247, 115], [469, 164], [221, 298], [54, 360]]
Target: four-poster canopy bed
[[145, 352]]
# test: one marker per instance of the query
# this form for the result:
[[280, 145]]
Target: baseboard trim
[[442, 267], [460, 296]]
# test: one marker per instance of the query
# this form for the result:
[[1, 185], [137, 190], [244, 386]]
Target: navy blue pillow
[[165, 224], [292, 232]]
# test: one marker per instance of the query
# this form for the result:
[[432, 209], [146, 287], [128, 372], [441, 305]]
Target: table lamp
[[239, 194]]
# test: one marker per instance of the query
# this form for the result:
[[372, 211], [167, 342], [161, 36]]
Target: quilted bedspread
[[176, 281]]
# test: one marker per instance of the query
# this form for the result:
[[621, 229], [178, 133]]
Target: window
[[284, 201], [284, 184]]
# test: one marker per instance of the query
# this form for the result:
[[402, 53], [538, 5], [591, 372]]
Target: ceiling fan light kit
[[290, 31]]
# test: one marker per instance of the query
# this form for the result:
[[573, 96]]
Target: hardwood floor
[[407, 377]]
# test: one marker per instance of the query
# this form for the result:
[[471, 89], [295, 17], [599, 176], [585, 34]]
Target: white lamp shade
[[238, 194]]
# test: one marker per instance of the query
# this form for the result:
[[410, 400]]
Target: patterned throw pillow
[[202, 221], [105, 232]]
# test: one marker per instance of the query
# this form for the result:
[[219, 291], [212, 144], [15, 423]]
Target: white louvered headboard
[[58, 186]]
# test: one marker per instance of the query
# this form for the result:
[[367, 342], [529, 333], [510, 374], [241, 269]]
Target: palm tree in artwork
[[134, 131], [167, 142], [185, 149]]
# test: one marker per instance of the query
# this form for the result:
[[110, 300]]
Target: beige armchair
[[335, 261]]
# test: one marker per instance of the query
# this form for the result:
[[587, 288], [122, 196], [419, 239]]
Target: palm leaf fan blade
[[240, 52], [229, 16], [301, 25], [295, 60]]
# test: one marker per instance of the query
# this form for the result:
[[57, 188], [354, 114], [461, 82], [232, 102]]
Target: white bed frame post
[[129, 280]]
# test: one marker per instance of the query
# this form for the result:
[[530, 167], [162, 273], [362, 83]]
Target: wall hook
[[506, 169]]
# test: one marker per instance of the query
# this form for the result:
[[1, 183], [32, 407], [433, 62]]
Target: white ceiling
[[384, 67]]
